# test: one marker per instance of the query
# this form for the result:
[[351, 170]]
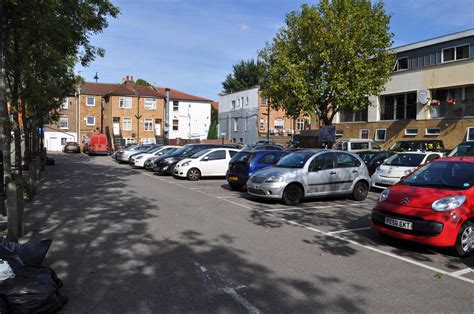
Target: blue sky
[[191, 45]]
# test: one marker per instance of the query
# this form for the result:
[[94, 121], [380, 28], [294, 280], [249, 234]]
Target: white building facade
[[189, 119]]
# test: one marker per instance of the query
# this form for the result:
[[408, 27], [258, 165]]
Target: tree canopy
[[245, 75], [142, 82], [327, 58]]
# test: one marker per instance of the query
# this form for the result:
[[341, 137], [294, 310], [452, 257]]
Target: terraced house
[[430, 96], [128, 113]]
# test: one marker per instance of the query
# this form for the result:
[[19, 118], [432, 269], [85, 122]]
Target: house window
[[247, 101], [90, 101], [279, 124], [175, 105], [90, 120], [242, 102], [364, 134], [129, 140], [263, 101], [381, 135], [245, 124], [63, 140], [300, 124], [175, 125], [339, 132], [63, 122], [150, 104], [455, 53], [127, 124], [398, 107], [233, 104], [470, 134], [236, 124], [262, 124], [411, 131], [126, 102], [148, 124], [452, 102], [148, 140], [401, 64], [348, 115], [432, 131], [64, 104]]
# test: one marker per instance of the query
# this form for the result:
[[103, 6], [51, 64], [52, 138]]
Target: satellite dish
[[423, 96]]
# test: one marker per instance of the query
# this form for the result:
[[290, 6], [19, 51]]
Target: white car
[[399, 165], [207, 163], [140, 159]]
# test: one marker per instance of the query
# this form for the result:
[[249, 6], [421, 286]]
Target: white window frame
[[126, 124], [263, 102], [87, 101], [175, 106], [125, 102], [87, 120], [150, 124], [455, 53], [378, 139], [339, 133], [173, 125], [67, 122], [262, 124], [467, 135], [396, 67], [299, 122], [247, 102], [245, 124], [232, 104], [368, 134], [432, 134], [148, 102], [235, 124], [411, 134], [65, 103]]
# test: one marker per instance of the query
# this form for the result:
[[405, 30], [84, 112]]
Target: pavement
[[129, 241]]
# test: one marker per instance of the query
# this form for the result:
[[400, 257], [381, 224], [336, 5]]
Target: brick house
[[65, 129]]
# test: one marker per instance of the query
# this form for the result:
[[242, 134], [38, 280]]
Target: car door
[[321, 174], [347, 168], [214, 163]]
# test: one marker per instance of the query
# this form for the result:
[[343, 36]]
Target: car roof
[[219, 148], [469, 159], [419, 152]]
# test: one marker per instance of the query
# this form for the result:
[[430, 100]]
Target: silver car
[[310, 173]]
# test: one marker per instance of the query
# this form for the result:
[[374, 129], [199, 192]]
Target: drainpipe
[[167, 115]]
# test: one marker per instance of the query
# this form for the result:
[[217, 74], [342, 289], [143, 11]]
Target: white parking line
[[461, 272], [244, 302], [225, 196], [455, 274], [349, 230]]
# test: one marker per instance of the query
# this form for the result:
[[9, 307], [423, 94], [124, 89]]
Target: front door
[[321, 174], [158, 127], [116, 126]]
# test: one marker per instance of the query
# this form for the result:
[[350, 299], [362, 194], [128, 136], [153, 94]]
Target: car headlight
[[448, 203], [184, 164], [384, 195], [274, 179], [139, 157]]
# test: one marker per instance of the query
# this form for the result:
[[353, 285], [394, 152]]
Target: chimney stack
[[128, 79]]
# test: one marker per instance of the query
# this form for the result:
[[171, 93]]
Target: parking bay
[[344, 221]]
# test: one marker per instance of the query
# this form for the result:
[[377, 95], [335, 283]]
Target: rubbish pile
[[25, 285]]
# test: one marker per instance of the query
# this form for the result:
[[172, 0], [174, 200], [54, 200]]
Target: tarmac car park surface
[[238, 254]]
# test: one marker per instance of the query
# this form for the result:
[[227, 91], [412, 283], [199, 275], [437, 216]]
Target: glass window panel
[[462, 52], [387, 108], [411, 106], [400, 105], [448, 54]]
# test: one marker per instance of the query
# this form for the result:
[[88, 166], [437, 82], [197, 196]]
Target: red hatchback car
[[434, 205]]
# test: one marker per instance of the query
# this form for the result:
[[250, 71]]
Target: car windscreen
[[183, 151], [367, 156], [294, 160], [417, 145], [168, 151], [241, 158], [443, 174], [405, 160], [154, 149], [199, 154], [464, 149]]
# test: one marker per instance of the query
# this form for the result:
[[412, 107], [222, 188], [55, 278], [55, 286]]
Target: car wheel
[[465, 239], [235, 187], [360, 191], [292, 195], [193, 174]]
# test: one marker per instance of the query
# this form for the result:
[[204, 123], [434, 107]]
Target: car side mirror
[[205, 158]]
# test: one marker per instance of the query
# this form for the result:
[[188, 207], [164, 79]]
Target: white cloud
[[244, 27]]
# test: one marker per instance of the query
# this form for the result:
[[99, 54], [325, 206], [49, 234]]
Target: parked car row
[[426, 197]]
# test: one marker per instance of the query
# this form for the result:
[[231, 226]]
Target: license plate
[[386, 182], [233, 178], [399, 223]]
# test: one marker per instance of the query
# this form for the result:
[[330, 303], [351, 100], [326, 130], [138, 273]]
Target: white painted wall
[[53, 140], [225, 101], [194, 120]]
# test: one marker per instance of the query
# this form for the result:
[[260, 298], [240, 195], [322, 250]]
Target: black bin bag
[[31, 253], [33, 290]]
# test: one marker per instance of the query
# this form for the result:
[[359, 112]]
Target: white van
[[356, 145]]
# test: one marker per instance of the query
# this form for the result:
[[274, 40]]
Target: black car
[[463, 149], [418, 145], [165, 164], [374, 158], [254, 147], [72, 147]]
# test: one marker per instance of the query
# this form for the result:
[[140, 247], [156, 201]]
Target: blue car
[[246, 163]]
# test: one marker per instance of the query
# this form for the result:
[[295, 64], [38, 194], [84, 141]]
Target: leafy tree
[[212, 134], [142, 82], [245, 75], [328, 57]]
